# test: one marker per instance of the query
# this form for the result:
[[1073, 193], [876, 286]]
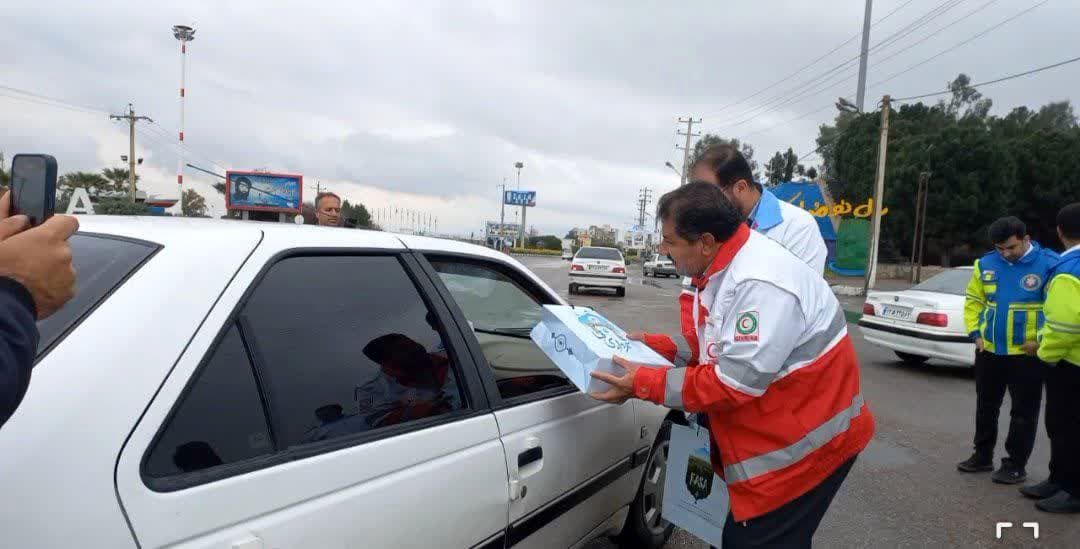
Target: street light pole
[[184, 34], [860, 95], [502, 217], [521, 229]]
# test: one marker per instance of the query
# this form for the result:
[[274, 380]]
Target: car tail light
[[576, 267], [619, 270], [868, 309], [940, 320]]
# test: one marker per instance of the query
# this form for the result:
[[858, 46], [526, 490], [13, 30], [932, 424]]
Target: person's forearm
[[18, 344]]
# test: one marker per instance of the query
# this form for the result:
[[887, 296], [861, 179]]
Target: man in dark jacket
[[36, 279]]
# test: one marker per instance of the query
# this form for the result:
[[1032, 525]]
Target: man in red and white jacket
[[790, 226], [777, 377]]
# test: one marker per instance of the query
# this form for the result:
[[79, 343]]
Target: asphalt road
[[904, 490]]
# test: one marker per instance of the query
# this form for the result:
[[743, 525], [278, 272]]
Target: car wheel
[[645, 525], [911, 359], [620, 292]]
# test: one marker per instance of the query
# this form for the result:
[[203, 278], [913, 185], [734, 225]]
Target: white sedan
[[598, 267], [924, 322], [228, 384]]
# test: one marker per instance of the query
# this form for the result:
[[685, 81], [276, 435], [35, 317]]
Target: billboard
[[520, 198], [264, 191]]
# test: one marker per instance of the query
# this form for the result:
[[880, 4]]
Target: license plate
[[896, 313], [598, 267]]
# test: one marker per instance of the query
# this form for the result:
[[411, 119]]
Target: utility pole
[[521, 229], [879, 191], [920, 228], [644, 199], [686, 150], [132, 119], [502, 216], [860, 95]]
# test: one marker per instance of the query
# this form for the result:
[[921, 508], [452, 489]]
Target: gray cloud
[[439, 99]]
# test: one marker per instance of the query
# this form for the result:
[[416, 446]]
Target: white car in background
[[657, 266], [220, 384], [924, 322], [598, 267]]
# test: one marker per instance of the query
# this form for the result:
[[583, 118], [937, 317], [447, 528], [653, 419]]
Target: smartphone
[[33, 186]]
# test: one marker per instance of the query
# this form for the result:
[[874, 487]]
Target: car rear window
[[101, 263], [953, 281], [600, 253]]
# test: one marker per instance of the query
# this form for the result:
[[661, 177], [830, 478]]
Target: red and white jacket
[[778, 375]]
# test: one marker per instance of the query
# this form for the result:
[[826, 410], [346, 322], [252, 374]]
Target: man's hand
[[39, 258], [1030, 348], [979, 345], [636, 336], [622, 387]]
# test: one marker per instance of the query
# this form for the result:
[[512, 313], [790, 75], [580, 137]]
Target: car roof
[[165, 230], [222, 232]]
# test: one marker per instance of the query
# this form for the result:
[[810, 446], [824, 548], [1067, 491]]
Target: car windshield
[[610, 254], [953, 281], [101, 264]]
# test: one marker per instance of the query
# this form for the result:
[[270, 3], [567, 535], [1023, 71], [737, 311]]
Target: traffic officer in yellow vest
[[1002, 312], [1059, 346]]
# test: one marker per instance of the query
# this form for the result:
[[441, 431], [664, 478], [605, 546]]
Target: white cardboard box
[[581, 341]]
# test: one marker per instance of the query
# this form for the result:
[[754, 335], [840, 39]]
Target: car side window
[[338, 346], [219, 421], [501, 312], [345, 345]]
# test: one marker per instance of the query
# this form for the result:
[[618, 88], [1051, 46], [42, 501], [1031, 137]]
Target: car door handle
[[531, 455]]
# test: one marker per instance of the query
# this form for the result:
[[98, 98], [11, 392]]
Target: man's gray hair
[[319, 197]]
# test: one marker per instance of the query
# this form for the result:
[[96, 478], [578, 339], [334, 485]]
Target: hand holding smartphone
[[33, 187]]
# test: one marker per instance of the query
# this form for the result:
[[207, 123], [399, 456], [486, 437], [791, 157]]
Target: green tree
[[357, 214], [812, 173], [118, 177], [709, 140], [774, 169], [192, 204], [120, 206], [791, 163], [1025, 163], [546, 242]]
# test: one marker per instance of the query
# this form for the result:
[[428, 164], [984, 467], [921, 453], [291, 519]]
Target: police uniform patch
[[746, 326], [1031, 282], [988, 276]]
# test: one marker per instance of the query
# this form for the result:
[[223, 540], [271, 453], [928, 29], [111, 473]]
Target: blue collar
[[766, 213]]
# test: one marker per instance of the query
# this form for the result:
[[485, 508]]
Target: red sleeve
[[663, 345], [693, 389]]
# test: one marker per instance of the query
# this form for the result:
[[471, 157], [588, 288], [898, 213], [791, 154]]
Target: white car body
[[598, 267], [894, 322], [658, 265], [75, 455]]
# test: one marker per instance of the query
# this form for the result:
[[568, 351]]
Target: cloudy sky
[[427, 105]]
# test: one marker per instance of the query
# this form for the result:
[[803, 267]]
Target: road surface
[[904, 490]]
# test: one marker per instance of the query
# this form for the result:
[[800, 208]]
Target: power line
[[995, 81], [909, 69], [976, 85], [963, 43], [50, 101], [836, 82], [782, 98], [810, 64]]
